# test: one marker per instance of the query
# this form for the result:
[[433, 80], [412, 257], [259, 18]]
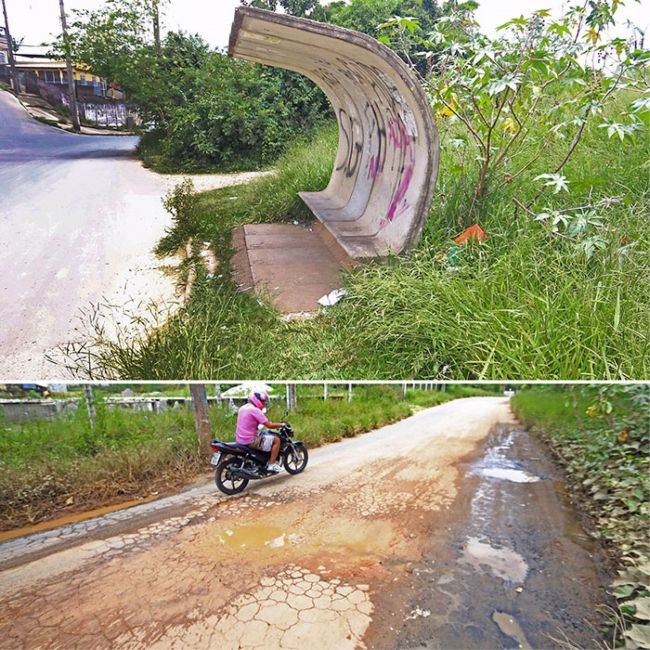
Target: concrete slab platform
[[290, 265]]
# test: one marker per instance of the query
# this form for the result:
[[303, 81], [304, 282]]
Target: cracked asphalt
[[402, 537]]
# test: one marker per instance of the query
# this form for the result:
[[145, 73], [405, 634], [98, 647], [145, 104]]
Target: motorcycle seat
[[236, 445]]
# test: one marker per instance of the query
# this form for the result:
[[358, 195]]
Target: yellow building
[[55, 72]]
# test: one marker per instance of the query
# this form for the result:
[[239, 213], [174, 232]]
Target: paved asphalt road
[[79, 217], [448, 529]]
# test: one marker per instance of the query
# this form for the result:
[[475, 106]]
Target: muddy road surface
[[80, 218], [446, 530]]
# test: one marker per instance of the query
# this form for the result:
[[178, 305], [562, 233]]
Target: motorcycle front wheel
[[226, 481], [295, 460]]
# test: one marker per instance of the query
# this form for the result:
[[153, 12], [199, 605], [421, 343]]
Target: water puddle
[[502, 562], [252, 537], [510, 627], [496, 464], [507, 474], [256, 537]]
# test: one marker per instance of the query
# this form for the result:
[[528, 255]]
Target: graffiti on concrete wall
[[354, 143], [382, 138]]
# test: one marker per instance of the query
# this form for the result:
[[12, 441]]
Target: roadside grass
[[526, 303], [602, 438], [53, 467]]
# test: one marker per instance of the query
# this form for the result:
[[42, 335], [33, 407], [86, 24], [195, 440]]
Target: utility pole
[[68, 62], [291, 397], [201, 415], [155, 15], [10, 51], [90, 405]]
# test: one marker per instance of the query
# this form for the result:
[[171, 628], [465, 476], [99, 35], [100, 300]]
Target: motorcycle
[[235, 465]]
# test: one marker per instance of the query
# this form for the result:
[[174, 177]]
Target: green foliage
[[202, 110], [238, 115], [367, 15], [182, 204], [602, 436], [507, 101], [293, 7]]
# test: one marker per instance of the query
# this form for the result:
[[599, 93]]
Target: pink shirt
[[248, 418]]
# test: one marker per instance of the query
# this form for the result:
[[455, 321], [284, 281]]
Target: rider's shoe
[[275, 468]]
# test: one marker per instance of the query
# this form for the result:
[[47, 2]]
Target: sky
[[37, 20]]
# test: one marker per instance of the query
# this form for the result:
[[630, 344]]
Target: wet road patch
[[508, 474], [502, 562], [500, 569], [509, 626]]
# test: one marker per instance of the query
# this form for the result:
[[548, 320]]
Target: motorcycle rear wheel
[[227, 483], [295, 461]]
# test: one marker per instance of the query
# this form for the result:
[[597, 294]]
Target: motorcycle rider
[[249, 417]]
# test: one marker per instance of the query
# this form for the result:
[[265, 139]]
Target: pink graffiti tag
[[400, 139], [373, 168]]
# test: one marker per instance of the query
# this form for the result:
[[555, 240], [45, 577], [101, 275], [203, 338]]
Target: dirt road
[[446, 530], [80, 217]]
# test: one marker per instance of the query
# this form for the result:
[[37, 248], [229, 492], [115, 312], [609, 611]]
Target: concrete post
[[292, 397], [90, 406], [13, 78]]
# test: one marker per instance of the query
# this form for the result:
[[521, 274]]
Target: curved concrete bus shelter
[[382, 184]]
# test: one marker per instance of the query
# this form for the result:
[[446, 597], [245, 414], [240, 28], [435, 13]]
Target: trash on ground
[[454, 256], [417, 612], [473, 232], [332, 297]]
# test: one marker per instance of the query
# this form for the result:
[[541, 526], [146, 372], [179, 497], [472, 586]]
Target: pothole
[[507, 474], [255, 537], [502, 562], [510, 627]]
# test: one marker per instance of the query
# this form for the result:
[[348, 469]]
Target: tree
[[201, 415], [529, 93], [72, 92], [366, 15]]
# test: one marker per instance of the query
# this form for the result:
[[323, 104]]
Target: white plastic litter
[[332, 297]]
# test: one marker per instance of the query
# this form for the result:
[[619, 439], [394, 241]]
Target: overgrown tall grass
[[524, 304]]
